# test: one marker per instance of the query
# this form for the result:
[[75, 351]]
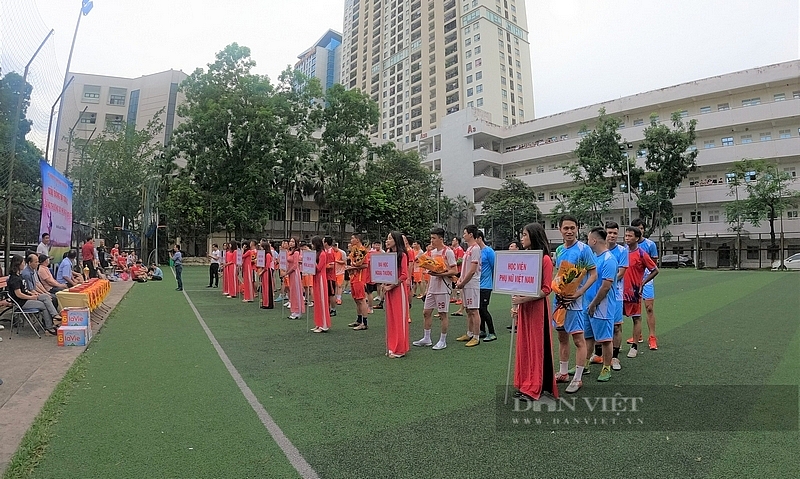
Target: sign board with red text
[[383, 268], [239, 257], [261, 258], [518, 272], [309, 262], [283, 261]]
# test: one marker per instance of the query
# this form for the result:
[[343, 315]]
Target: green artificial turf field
[[156, 401]]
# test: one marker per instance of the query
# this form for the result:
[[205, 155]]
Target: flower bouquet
[[567, 281], [435, 265], [357, 255]]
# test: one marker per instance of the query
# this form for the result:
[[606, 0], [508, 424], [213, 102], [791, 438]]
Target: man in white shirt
[[44, 246], [470, 282], [438, 296], [213, 272]]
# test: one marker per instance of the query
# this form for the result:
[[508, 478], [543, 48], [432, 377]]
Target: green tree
[[508, 210], [768, 194], [670, 158], [187, 207], [465, 209], [398, 181], [347, 118], [602, 164], [112, 174], [229, 139], [298, 112]]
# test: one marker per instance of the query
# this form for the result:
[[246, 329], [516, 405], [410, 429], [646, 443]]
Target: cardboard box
[[74, 335], [77, 317]]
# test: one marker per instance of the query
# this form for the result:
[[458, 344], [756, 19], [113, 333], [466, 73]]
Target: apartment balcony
[[773, 149]]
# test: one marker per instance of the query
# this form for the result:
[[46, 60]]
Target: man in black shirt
[[19, 293]]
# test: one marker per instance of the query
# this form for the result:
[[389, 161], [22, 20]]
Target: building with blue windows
[[323, 60]]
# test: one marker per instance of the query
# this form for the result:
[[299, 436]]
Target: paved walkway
[[30, 369]]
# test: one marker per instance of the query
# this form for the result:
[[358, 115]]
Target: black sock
[[634, 346], [365, 320], [360, 319], [598, 349], [616, 353]]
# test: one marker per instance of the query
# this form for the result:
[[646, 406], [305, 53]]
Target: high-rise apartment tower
[[424, 59]]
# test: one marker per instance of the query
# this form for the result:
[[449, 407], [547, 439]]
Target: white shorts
[[438, 301], [471, 298]]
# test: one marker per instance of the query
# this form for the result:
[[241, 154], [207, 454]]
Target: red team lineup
[[579, 293]]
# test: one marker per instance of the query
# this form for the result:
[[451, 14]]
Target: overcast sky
[[583, 51]]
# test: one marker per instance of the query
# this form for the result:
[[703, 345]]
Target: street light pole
[[86, 7], [696, 229], [50, 123]]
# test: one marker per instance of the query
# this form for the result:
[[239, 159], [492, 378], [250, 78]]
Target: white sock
[[427, 335], [443, 338], [469, 334], [563, 367], [339, 297], [578, 373]]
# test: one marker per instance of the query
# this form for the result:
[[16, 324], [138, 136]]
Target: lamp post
[[696, 229], [86, 7]]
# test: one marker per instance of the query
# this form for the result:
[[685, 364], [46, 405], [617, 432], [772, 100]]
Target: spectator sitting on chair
[[19, 293], [65, 275], [122, 263], [155, 273], [46, 277], [33, 282]]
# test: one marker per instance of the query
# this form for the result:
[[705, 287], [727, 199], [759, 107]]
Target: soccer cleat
[[562, 378], [338, 301], [574, 386], [333, 312], [439, 345], [630, 340], [633, 352], [464, 337], [458, 301], [310, 304], [615, 365], [473, 342], [595, 359], [605, 374], [422, 342], [490, 337], [278, 299], [379, 305], [361, 327], [653, 343]]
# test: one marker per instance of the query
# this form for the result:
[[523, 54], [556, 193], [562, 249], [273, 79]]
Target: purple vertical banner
[[56, 206]]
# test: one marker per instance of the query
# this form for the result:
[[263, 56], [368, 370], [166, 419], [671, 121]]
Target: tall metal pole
[[13, 150], [628, 166], [86, 7], [50, 124], [696, 229]]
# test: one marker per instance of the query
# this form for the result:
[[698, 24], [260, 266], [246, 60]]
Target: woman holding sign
[[533, 371], [396, 300], [296, 303], [265, 273], [322, 314], [229, 283], [248, 263]]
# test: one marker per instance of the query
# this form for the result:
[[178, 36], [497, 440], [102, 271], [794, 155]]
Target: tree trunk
[[772, 226]]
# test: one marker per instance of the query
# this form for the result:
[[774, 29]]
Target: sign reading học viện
[[518, 272]]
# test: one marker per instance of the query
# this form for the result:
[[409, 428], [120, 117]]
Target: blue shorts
[[600, 329], [649, 291], [574, 322]]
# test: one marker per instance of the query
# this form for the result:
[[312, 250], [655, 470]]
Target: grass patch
[[36, 441]]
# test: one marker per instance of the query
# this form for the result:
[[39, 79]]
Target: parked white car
[[792, 262]]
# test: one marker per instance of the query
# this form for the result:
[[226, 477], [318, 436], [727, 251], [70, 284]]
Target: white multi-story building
[[323, 60], [422, 60], [748, 114], [93, 103]]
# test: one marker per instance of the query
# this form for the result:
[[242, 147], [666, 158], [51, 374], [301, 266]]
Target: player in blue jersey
[[578, 255], [648, 290], [602, 301], [620, 253]]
